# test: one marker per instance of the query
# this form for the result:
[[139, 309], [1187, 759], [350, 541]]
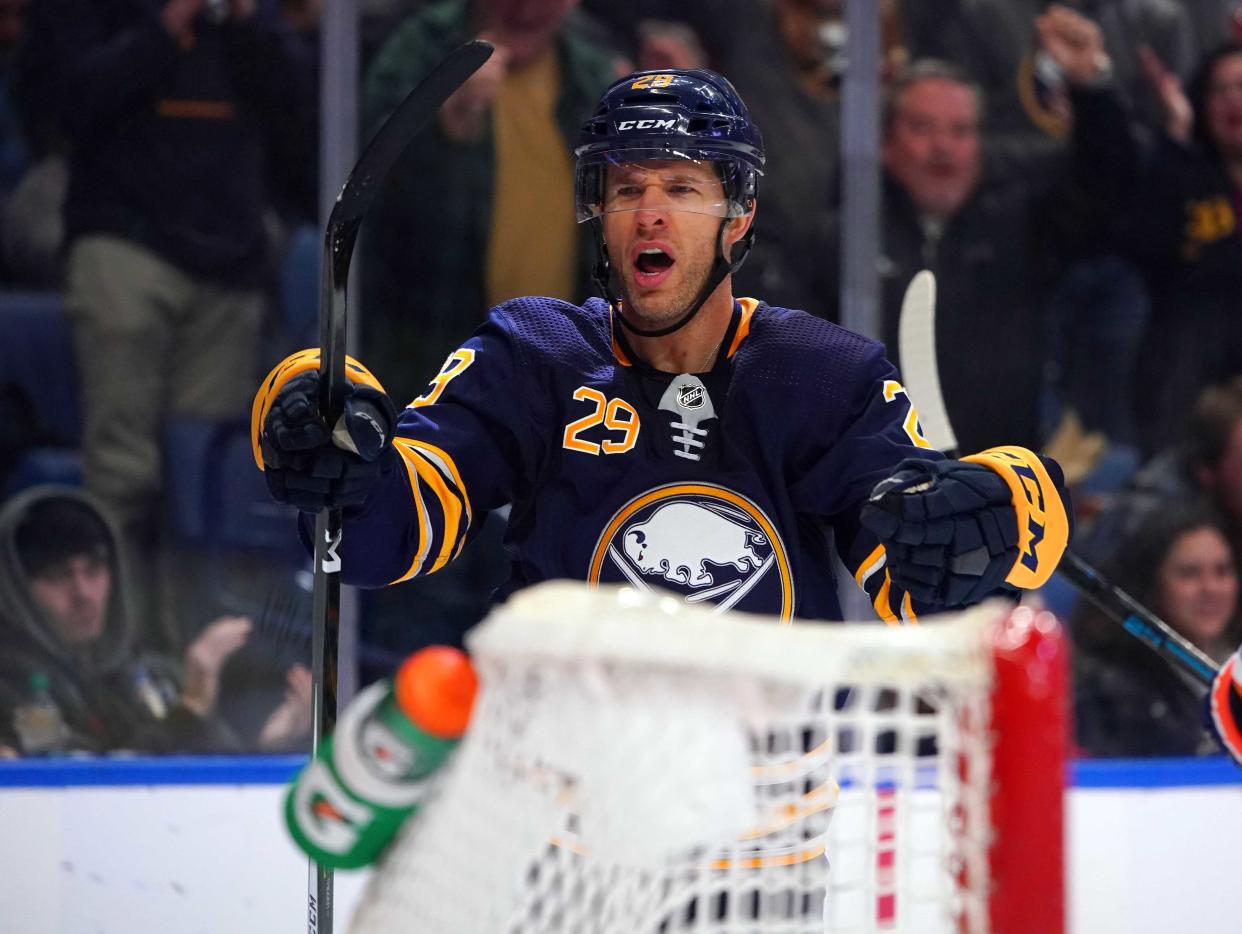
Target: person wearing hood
[[69, 644]]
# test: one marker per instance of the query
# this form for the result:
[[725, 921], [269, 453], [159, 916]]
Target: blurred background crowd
[[1072, 173]]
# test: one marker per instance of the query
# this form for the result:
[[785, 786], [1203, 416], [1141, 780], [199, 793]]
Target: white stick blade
[[916, 350]]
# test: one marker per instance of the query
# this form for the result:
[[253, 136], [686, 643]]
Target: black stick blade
[[419, 106]]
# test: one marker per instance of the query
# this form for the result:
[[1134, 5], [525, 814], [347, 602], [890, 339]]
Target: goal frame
[[1003, 807]]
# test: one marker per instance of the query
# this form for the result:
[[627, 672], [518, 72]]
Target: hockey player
[[667, 434]]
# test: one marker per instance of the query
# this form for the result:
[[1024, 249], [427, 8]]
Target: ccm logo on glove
[[1043, 516]]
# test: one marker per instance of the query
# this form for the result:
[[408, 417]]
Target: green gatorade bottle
[[347, 804]]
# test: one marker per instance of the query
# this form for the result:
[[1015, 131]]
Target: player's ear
[[737, 226]]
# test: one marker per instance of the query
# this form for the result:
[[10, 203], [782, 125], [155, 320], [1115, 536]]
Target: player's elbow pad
[[1042, 506]]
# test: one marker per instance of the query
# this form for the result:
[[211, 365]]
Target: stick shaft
[[351, 205], [1137, 620]]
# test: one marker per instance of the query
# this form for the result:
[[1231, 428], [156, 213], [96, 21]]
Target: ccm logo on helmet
[[646, 124]]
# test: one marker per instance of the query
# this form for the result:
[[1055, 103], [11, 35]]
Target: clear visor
[[620, 182]]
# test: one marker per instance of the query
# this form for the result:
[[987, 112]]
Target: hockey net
[[636, 765]]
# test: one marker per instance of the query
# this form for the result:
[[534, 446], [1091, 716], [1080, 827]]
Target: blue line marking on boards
[[149, 770], [278, 770], [1192, 772]]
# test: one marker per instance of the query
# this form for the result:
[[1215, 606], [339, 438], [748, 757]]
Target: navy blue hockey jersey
[[728, 487]]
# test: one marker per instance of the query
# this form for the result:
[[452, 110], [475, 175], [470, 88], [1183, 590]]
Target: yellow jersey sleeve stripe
[[424, 524], [907, 610], [872, 563], [449, 504], [448, 467], [881, 603]]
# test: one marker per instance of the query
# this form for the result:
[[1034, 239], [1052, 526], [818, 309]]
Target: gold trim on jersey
[[698, 489], [425, 534], [907, 610], [870, 564], [441, 459], [748, 306], [450, 505], [616, 344], [881, 604]]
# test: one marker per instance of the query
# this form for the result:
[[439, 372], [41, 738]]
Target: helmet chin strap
[[721, 267]]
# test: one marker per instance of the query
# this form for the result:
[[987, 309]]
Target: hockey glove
[[1225, 706], [305, 464], [949, 530]]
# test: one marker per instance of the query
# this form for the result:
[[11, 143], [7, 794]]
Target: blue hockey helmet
[[660, 116], [665, 115]]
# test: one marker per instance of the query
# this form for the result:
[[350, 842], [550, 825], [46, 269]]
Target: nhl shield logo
[[705, 542], [691, 396]]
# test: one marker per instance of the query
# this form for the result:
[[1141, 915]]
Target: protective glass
[[663, 180]]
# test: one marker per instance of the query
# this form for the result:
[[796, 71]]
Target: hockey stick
[[916, 349], [351, 205], [1137, 620], [920, 372]]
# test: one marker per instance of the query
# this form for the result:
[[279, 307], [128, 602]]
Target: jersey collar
[[737, 332]]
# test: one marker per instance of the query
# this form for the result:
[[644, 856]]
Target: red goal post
[[635, 764]]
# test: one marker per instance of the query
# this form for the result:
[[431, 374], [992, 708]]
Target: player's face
[[661, 222], [1199, 586], [931, 147], [73, 595], [1224, 107]]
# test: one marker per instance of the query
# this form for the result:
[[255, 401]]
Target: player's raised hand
[[949, 530], [1225, 706], [304, 463]]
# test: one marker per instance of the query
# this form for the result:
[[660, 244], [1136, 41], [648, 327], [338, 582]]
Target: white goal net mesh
[[638, 765]]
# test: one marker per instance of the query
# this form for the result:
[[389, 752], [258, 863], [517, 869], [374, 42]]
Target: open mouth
[[652, 265]]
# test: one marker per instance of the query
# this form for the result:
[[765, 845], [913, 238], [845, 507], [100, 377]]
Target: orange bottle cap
[[435, 688]]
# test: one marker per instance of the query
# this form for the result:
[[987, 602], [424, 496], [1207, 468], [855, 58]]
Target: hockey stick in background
[[920, 373], [1139, 621], [338, 248]]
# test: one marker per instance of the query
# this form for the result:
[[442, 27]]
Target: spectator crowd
[[1072, 173]]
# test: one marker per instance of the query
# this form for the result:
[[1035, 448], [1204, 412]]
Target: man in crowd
[[1184, 233], [451, 237], [992, 247], [66, 623], [168, 109]]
